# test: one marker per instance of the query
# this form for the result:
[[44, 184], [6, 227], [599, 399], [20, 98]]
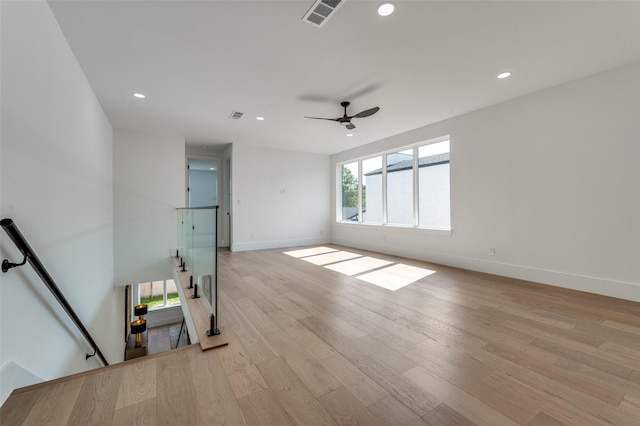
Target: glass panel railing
[[204, 246], [184, 230], [180, 233], [198, 241], [188, 238]]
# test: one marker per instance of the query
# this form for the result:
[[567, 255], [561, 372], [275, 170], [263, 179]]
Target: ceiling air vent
[[321, 11], [235, 115]]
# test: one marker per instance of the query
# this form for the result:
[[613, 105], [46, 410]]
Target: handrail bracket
[[6, 265]]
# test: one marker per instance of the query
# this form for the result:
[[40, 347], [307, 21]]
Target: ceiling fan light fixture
[[386, 8]]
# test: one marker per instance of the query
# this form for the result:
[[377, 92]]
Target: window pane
[[152, 293], [350, 192], [172, 293], [400, 187], [372, 190], [434, 206]]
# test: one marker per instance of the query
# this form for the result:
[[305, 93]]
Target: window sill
[[162, 308], [443, 232]]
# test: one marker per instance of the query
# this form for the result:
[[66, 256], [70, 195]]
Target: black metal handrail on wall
[[29, 256]]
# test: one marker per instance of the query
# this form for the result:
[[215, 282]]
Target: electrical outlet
[[492, 251]]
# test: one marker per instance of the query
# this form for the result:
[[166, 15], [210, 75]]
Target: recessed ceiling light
[[349, 134], [259, 118], [504, 75], [139, 95], [212, 168], [386, 9]]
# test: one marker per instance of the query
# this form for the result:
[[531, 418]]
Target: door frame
[[220, 188]]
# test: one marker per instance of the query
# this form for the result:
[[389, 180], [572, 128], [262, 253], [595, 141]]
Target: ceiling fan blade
[[350, 126], [367, 112], [322, 118]]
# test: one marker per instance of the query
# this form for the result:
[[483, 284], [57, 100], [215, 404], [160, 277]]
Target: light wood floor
[[160, 339], [308, 346]]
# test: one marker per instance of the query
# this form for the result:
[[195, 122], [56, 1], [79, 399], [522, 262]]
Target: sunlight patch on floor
[[358, 266], [325, 259], [392, 277], [309, 252], [395, 277]]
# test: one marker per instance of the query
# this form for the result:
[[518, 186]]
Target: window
[[407, 187], [158, 294], [349, 173], [433, 184], [372, 190], [400, 187]]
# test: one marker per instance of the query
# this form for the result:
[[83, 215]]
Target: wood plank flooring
[[309, 345], [160, 339]]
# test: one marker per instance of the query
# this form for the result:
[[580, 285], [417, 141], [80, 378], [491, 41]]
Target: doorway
[[208, 183], [202, 189]]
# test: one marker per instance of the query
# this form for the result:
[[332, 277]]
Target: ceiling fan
[[345, 120]]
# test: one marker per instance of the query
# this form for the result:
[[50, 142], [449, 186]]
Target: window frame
[[341, 207], [416, 188], [165, 305]]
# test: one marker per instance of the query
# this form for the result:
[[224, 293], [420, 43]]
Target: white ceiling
[[198, 61]]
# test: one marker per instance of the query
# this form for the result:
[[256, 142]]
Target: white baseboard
[[262, 245], [606, 287]]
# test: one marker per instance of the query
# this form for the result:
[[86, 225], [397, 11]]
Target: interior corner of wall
[[14, 376]]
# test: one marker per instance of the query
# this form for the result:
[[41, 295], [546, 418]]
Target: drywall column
[[279, 198], [148, 187]]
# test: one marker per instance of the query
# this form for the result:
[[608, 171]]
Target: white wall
[[57, 186], [549, 180], [148, 186], [279, 198], [164, 316], [13, 373]]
